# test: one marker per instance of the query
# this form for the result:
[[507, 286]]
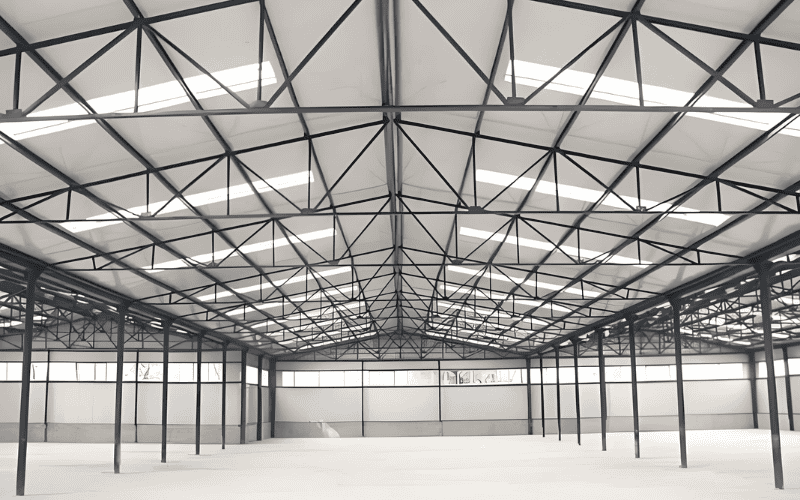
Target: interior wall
[[84, 411]]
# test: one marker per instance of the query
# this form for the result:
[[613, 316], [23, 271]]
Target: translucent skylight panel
[[516, 280], [309, 276], [219, 255], [547, 246], [593, 195], [151, 98], [196, 200], [627, 92]]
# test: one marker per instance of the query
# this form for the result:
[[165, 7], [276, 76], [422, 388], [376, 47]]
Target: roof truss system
[[386, 178]]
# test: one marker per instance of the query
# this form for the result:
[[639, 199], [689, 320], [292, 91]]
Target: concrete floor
[[722, 464]]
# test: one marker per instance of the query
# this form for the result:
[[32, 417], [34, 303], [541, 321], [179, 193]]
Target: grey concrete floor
[[722, 464]]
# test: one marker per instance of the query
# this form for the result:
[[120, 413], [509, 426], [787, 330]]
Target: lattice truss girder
[[381, 169]]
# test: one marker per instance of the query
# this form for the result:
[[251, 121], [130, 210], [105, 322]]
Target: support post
[[32, 276], [260, 420], [164, 389], [46, 394], [765, 296], [121, 312], [577, 389], [541, 388], [789, 406], [601, 362], [224, 388], [528, 384], [634, 385], [558, 392], [136, 401], [676, 333], [751, 365], [243, 409], [199, 395], [273, 382]]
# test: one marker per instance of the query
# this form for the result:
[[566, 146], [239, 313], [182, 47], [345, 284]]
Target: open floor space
[[726, 465]]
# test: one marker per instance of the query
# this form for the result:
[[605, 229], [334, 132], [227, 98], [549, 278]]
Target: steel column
[[751, 366], [121, 311], [676, 332], [789, 408], [197, 398], [558, 391], [765, 296], [224, 388], [260, 419], [164, 389], [528, 387], [136, 401], [601, 362], [577, 389], [273, 382], [32, 276], [634, 388], [541, 388], [243, 400], [46, 394]]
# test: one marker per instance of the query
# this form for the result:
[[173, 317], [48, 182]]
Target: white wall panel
[[181, 403], [481, 364], [484, 403], [211, 405], [619, 400], [718, 396], [318, 365], [658, 399], [294, 404], [401, 404]]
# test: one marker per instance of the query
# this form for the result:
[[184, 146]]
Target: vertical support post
[[789, 406], [259, 431], [541, 388], [164, 389], [46, 394], [558, 392], [199, 395], [32, 276], [601, 362], [273, 383], [751, 366], [765, 296], [243, 409], [136, 401], [676, 332], [121, 312], [530, 408], [634, 385], [224, 388], [577, 389]]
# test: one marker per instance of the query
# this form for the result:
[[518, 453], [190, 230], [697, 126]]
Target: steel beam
[[676, 333], [789, 406], [122, 310], [541, 389], [577, 389], [558, 391], [167, 325], [528, 389], [260, 418], [601, 362], [32, 275], [765, 297], [224, 389], [273, 382], [751, 375], [243, 401], [199, 387], [634, 388]]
